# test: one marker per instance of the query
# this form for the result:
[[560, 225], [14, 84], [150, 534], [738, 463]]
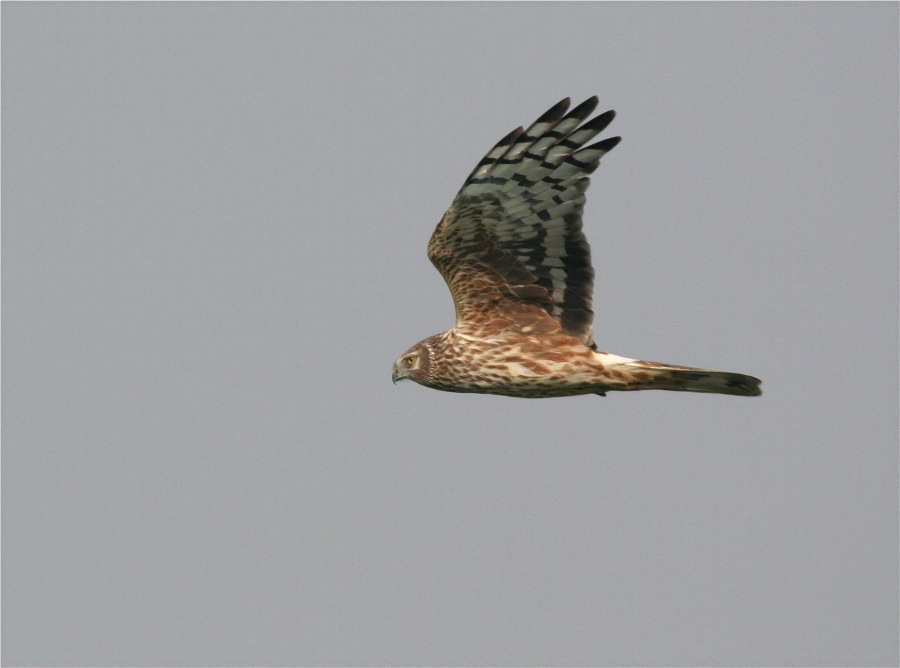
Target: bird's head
[[413, 364]]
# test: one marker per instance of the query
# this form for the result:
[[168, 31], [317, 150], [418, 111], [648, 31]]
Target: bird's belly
[[515, 371]]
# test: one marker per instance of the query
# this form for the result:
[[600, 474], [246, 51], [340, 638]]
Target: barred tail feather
[[655, 376]]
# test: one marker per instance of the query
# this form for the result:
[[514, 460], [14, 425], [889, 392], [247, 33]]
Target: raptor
[[513, 253]]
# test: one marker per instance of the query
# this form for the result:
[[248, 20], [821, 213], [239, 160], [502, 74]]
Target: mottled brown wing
[[511, 247]]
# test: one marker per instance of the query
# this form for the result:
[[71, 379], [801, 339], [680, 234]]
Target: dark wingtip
[[511, 137], [599, 123], [584, 109], [607, 144], [555, 112]]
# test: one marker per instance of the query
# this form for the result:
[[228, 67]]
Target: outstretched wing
[[511, 247]]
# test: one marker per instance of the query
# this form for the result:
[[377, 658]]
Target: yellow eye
[[409, 361]]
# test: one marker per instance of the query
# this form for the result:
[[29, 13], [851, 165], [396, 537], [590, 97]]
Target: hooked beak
[[395, 376]]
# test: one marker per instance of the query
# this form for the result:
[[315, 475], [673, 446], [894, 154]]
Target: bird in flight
[[512, 251]]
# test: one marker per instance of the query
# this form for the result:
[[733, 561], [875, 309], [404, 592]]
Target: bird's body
[[555, 365], [512, 251]]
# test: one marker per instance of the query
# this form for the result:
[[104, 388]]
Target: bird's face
[[412, 364]]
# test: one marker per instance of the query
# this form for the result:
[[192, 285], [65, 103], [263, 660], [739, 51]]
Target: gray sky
[[214, 229]]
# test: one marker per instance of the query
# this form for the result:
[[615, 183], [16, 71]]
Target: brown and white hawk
[[513, 253]]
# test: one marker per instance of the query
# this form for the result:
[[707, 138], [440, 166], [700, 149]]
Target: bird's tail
[[655, 376]]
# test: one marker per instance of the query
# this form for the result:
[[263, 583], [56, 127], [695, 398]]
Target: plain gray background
[[214, 229]]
